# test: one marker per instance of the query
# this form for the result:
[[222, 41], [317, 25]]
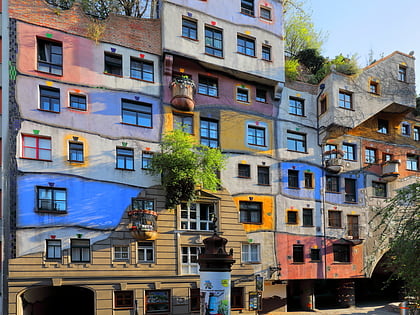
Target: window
[[261, 95], [78, 101], [345, 100], [51, 199], [374, 87], [113, 64], [246, 45], [242, 95], [136, 113], [296, 106], [263, 175], [412, 163], [190, 260], [265, 13], [405, 129], [292, 217], [141, 69], [307, 217], [383, 126], [80, 250], [416, 133], [341, 253], [142, 204], [315, 254], [334, 219], [266, 52], [76, 152], [237, 298], [50, 56], [157, 301], [35, 147], [293, 178], [184, 122], [370, 155], [353, 226], [309, 180], [332, 151], [49, 99], [323, 105], [125, 158], [247, 7], [208, 86], [256, 136], [250, 212], [209, 133], [145, 252], [349, 151], [53, 249], [298, 254], [146, 158], [197, 216], [332, 183], [124, 299], [189, 28], [244, 170], [350, 190], [386, 157], [121, 253], [296, 141], [195, 300], [402, 73], [251, 253], [213, 41], [379, 189]]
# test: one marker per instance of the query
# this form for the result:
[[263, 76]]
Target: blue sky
[[360, 26]]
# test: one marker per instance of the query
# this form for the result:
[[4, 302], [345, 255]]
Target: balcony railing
[[390, 170], [183, 90], [143, 225]]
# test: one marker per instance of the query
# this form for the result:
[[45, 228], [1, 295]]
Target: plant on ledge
[[184, 165]]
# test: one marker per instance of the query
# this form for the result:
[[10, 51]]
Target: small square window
[[244, 170], [189, 28], [124, 299], [383, 126], [265, 13], [49, 99], [341, 253], [379, 189], [242, 95], [78, 101], [145, 252], [261, 95], [50, 56], [247, 7], [113, 64], [136, 113], [374, 87], [307, 217], [141, 69], [345, 100], [405, 129], [36, 147], [256, 136], [309, 180], [76, 152], [266, 52], [125, 158], [332, 183], [53, 249], [412, 162], [386, 157], [121, 253], [349, 151], [402, 73], [246, 45], [296, 106], [263, 175], [370, 155], [296, 141], [298, 256], [334, 219], [315, 254], [146, 158], [292, 217], [293, 178], [183, 122], [250, 212], [80, 250], [51, 199], [208, 86]]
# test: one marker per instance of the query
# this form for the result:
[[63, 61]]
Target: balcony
[[390, 170], [143, 224], [183, 90], [333, 161]]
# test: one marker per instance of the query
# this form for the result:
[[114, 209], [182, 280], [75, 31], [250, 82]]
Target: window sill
[[215, 96], [295, 188], [113, 75], [189, 38], [333, 192], [267, 60], [244, 177], [308, 226], [27, 158], [336, 227], [244, 263], [250, 15], [298, 263], [123, 123], [51, 211], [304, 152], [341, 263], [351, 109], [141, 80], [291, 223], [77, 109], [44, 72], [266, 185], [351, 202], [297, 115], [75, 162], [124, 169], [253, 223], [220, 57], [48, 111], [252, 56]]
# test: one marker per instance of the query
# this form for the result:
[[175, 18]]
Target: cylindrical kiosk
[[215, 267]]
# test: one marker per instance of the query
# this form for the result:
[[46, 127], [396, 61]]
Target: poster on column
[[215, 293]]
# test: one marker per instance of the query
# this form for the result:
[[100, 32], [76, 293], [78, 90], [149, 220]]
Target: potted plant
[[183, 90]]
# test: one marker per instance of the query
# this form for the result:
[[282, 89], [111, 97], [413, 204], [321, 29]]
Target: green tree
[[398, 225], [184, 165]]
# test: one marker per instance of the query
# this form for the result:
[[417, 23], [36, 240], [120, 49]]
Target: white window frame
[[251, 253], [189, 260], [119, 251], [191, 216], [146, 247]]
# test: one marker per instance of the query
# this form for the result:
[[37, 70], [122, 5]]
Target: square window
[[330, 151], [251, 253], [345, 100], [145, 252], [50, 56], [146, 158], [141, 69], [402, 73], [416, 133], [247, 7], [261, 95], [298, 256], [263, 175], [250, 212], [265, 13], [296, 141], [189, 28], [341, 253], [37, 148], [125, 158], [242, 95], [332, 184], [315, 254], [76, 152], [309, 180], [136, 113], [412, 162], [386, 157], [383, 126], [296, 106], [349, 151], [189, 258], [80, 250], [124, 299], [370, 155], [350, 190], [197, 216], [246, 45], [374, 87], [244, 170], [292, 217], [266, 52], [353, 226], [334, 219], [208, 86], [256, 136], [53, 249], [293, 178], [49, 99], [195, 300], [209, 133], [307, 217], [78, 101], [121, 253], [405, 129], [51, 199], [142, 204], [183, 122], [113, 64], [213, 41], [157, 301]]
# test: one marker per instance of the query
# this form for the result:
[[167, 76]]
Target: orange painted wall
[[267, 215]]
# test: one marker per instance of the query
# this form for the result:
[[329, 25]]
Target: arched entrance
[[64, 300]]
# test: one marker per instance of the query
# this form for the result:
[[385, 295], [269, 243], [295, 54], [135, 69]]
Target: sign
[[255, 301]]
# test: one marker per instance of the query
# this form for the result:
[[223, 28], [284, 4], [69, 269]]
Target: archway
[[64, 300]]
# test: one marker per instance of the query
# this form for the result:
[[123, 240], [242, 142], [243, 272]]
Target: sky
[[363, 26]]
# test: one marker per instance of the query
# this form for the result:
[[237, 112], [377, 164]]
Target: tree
[[399, 226], [184, 165]]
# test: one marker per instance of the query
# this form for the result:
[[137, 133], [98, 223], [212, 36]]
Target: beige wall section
[[102, 275]]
